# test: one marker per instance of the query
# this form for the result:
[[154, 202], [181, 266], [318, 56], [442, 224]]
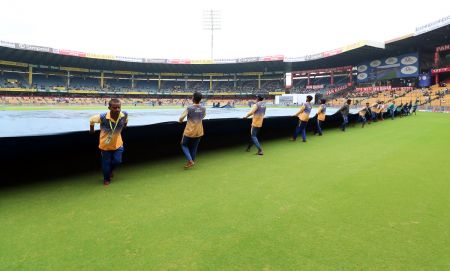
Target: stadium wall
[[43, 158]]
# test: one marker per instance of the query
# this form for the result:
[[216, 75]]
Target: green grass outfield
[[376, 198]]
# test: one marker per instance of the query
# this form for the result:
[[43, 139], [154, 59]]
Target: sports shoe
[[260, 152], [304, 140], [189, 164], [106, 182]]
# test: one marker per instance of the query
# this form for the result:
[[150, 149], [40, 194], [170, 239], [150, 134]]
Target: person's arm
[[126, 122], [302, 108], [183, 115], [254, 107], [93, 120]]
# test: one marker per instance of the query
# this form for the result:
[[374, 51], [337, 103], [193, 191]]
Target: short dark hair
[[113, 101], [323, 101], [349, 101], [259, 97], [309, 98], [197, 97]]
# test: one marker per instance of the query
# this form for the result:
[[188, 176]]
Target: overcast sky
[[173, 29]]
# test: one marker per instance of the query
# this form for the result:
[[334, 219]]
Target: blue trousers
[[344, 122], [392, 113], [318, 127], [253, 138], [363, 120], [301, 128], [189, 147], [110, 160]]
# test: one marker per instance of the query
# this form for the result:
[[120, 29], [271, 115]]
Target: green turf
[[376, 198]]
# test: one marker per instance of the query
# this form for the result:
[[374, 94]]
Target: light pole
[[212, 22]]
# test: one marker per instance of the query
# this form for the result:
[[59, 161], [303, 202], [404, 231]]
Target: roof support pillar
[[259, 81], [159, 81], [102, 79], [30, 75], [68, 79], [210, 82]]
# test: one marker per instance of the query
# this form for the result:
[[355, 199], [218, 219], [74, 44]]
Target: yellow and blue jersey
[[110, 130], [303, 113], [321, 112], [195, 114], [258, 111]]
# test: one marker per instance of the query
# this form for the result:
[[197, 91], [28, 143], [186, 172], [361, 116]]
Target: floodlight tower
[[211, 22]]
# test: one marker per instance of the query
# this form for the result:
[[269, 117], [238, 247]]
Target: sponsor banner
[[100, 56], [294, 59], [285, 99], [329, 70], [154, 60], [247, 59], [406, 65], [434, 71], [182, 93], [129, 59], [353, 46], [225, 93], [202, 61], [11, 63], [224, 61], [178, 61], [171, 74], [18, 89], [124, 72], [80, 91], [443, 48], [69, 52], [336, 89], [213, 74], [33, 48], [381, 88], [313, 57], [332, 52], [250, 73], [271, 58], [74, 69], [433, 25], [7, 44], [315, 87], [277, 93]]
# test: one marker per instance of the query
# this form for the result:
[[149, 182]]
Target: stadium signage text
[[446, 69], [443, 48], [433, 25]]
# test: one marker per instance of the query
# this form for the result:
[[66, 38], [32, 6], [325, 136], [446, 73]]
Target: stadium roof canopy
[[424, 41]]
